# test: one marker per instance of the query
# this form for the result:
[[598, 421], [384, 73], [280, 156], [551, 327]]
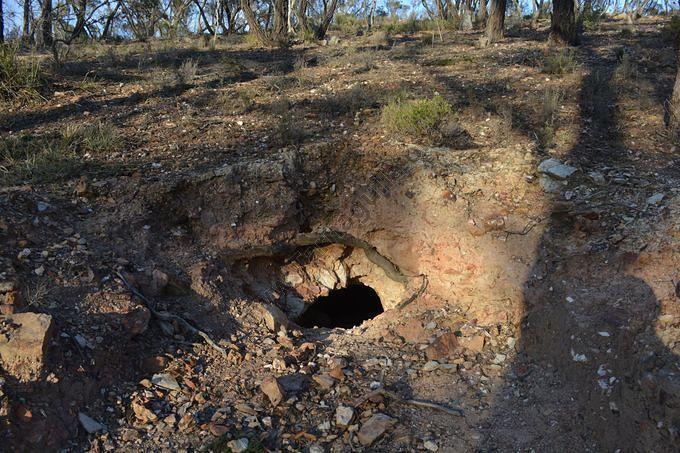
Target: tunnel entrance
[[345, 307]]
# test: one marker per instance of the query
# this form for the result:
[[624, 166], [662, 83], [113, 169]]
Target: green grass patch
[[19, 80], [418, 119], [45, 159]]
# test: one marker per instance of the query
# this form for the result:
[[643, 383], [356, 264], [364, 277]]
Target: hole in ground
[[345, 307]]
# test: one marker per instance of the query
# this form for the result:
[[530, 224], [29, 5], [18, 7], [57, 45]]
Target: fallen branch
[[446, 409], [166, 317], [415, 294]]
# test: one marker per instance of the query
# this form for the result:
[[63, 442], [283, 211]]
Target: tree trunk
[[674, 107], [327, 19], [371, 14], [289, 16], [495, 23], [466, 17], [302, 18], [481, 14], [46, 18], [106, 33], [563, 25], [26, 32], [80, 20], [279, 27], [206, 23], [2, 24], [254, 25]]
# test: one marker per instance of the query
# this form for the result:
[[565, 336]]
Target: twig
[[527, 228], [446, 409], [415, 294], [165, 316]]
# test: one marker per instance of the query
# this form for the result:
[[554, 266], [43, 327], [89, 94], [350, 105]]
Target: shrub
[[347, 23], [19, 81], [626, 32], [550, 103], [552, 98], [591, 18], [349, 101], [187, 71], [407, 27], [378, 39], [418, 119], [626, 69], [560, 62]]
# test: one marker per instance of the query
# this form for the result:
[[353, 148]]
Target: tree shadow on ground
[[590, 373]]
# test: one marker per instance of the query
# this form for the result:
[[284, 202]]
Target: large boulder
[[23, 344]]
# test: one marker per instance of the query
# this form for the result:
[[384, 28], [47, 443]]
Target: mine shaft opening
[[345, 307]]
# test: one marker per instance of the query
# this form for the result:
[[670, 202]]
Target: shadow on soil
[[560, 393]]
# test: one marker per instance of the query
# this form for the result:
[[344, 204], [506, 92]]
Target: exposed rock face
[[433, 221], [24, 339]]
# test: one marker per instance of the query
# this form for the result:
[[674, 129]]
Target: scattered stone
[[154, 364], [596, 177], [187, 422], [90, 425], [273, 390], [655, 199], [271, 316], [556, 169], [443, 347], [375, 427], [430, 366], [166, 381], [578, 357], [294, 383], [245, 409], [325, 381], [23, 413], [412, 332], [430, 445], [142, 413], [550, 185], [129, 434], [337, 373], [137, 321], [344, 415], [474, 343], [23, 344], [83, 342], [499, 358], [316, 448], [238, 445]]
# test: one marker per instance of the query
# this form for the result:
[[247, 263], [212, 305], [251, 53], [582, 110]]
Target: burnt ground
[[551, 312]]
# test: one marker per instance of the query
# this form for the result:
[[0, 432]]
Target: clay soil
[[546, 310]]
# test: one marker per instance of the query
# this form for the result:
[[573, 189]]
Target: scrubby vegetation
[[20, 79], [560, 62], [420, 119]]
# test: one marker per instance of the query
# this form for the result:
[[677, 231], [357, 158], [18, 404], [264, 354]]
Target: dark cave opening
[[345, 307]]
